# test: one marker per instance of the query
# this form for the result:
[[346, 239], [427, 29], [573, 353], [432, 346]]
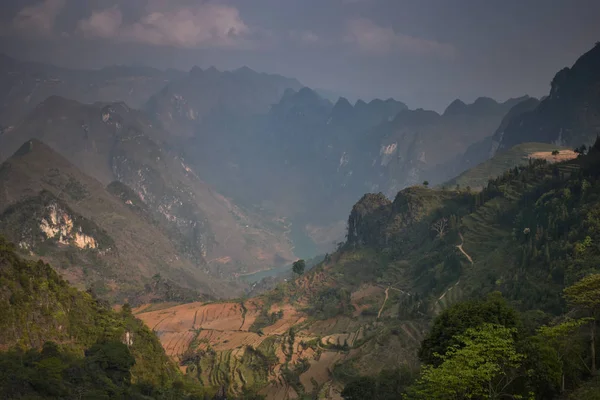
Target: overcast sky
[[423, 52]]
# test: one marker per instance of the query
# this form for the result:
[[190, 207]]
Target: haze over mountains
[[289, 162], [174, 192]]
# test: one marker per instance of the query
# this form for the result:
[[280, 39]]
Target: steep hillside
[[477, 177], [409, 149], [288, 162], [53, 210], [57, 342], [112, 142], [308, 159], [528, 235], [483, 150], [25, 84], [569, 116]]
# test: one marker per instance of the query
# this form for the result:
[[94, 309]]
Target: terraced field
[[213, 343]]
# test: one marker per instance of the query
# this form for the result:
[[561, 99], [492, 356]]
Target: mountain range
[[111, 143], [214, 175], [527, 233]]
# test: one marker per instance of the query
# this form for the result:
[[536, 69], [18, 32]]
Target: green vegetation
[[265, 319], [330, 302], [482, 365], [585, 295], [387, 385], [455, 321], [511, 248], [105, 371], [298, 267], [66, 343], [478, 176]]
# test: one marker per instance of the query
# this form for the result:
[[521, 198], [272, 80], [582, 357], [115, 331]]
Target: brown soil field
[[223, 324], [224, 328], [563, 155]]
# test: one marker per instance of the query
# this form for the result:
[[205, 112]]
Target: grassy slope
[[478, 176]]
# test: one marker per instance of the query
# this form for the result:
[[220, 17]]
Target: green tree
[[114, 359], [483, 364], [360, 389], [585, 295], [298, 267], [555, 152], [560, 339], [458, 318], [426, 183]]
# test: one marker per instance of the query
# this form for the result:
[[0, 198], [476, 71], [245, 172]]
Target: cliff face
[[569, 116], [112, 142], [51, 209]]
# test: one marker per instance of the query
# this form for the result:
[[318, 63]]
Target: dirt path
[[446, 292], [460, 247], [384, 301]]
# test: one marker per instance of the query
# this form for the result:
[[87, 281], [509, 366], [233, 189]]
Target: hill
[[367, 307], [419, 145], [57, 342], [53, 210], [112, 142], [478, 176], [308, 159], [568, 116]]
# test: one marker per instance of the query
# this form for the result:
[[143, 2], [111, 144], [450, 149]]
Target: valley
[[231, 234]]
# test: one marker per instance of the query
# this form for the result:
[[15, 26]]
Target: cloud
[[305, 37], [195, 26], [38, 18], [102, 24], [371, 38]]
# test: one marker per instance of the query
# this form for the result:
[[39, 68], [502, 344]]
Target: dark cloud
[[425, 53]]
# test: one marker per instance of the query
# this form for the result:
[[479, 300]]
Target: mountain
[[184, 103], [25, 84], [569, 116], [58, 342], [54, 211], [112, 142], [290, 161], [367, 307], [420, 145]]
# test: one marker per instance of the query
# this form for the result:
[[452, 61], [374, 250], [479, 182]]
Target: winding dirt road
[[384, 301], [460, 247]]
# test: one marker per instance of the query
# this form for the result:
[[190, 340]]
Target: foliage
[[586, 294], [265, 318], [482, 365], [104, 372], [37, 306], [298, 267], [459, 318], [387, 385], [329, 303]]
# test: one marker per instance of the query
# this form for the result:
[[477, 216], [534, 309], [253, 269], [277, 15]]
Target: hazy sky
[[423, 52]]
